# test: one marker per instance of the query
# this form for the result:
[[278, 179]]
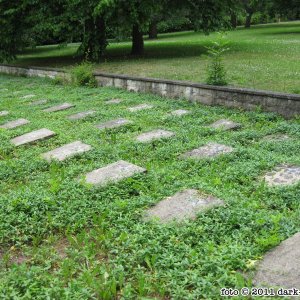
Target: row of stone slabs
[[283, 175], [82, 115]]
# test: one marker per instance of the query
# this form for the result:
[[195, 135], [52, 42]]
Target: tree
[[290, 9], [253, 6], [134, 16], [89, 19], [13, 24]]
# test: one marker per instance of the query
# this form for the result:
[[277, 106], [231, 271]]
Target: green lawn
[[61, 239], [264, 57]]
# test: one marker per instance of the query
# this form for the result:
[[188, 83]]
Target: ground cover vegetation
[[62, 239]]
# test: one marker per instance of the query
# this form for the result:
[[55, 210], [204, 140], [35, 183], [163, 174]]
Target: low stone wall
[[33, 71], [287, 105]]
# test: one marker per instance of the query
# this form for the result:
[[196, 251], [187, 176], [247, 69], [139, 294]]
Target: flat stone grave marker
[[140, 107], [14, 124], [66, 151], [3, 113], [113, 101], [39, 102], [283, 175], [59, 107], [208, 151], [280, 267], [114, 124], [224, 124], [33, 136], [179, 112], [28, 96], [154, 135], [182, 205], [276, 138], [81, 115], [113, 173]]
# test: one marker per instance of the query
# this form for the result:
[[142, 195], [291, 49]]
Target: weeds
[[216, 73]]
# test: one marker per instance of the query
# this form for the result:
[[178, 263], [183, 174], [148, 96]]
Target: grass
[[264, 57], [61, 239]]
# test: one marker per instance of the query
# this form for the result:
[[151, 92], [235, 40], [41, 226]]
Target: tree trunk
[[233, 20], [153, 31], [248, 20], [94, 39], [137, 40]]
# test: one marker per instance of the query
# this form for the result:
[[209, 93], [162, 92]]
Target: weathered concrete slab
[[28, 96], [184, 204], [224, 124], [113, 101], [39, 102], [67, 151], [283, 175], [3, 113], [32, 137], [179, 112], [208, 151], [281, 266], [60, 107], [114, 124], [154, 135], [113, 173], [140, 107], [276, 138], [81, 115], [14, 124]]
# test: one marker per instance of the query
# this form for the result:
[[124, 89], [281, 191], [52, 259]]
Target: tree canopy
[[26, 23]]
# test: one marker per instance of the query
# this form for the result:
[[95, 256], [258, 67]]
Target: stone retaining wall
[[288, 105]]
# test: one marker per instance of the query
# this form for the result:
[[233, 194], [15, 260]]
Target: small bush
[[82, 75], [216, 73]]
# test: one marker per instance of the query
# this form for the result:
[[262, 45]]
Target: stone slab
[[39, 102], [276, 138], [280, 267], [66, 151], [33, 136], [59, 107], [114, 124], [14, 124], [179, 112], [113, 101], [3, 113], [208, 151], [140, 107], [183, 205], [81, 115], [113, 173], [283, 175], [224, 124], [28, 96], [154, 135]]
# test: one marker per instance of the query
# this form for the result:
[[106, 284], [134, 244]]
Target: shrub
[[216, 73], [82, 75]]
